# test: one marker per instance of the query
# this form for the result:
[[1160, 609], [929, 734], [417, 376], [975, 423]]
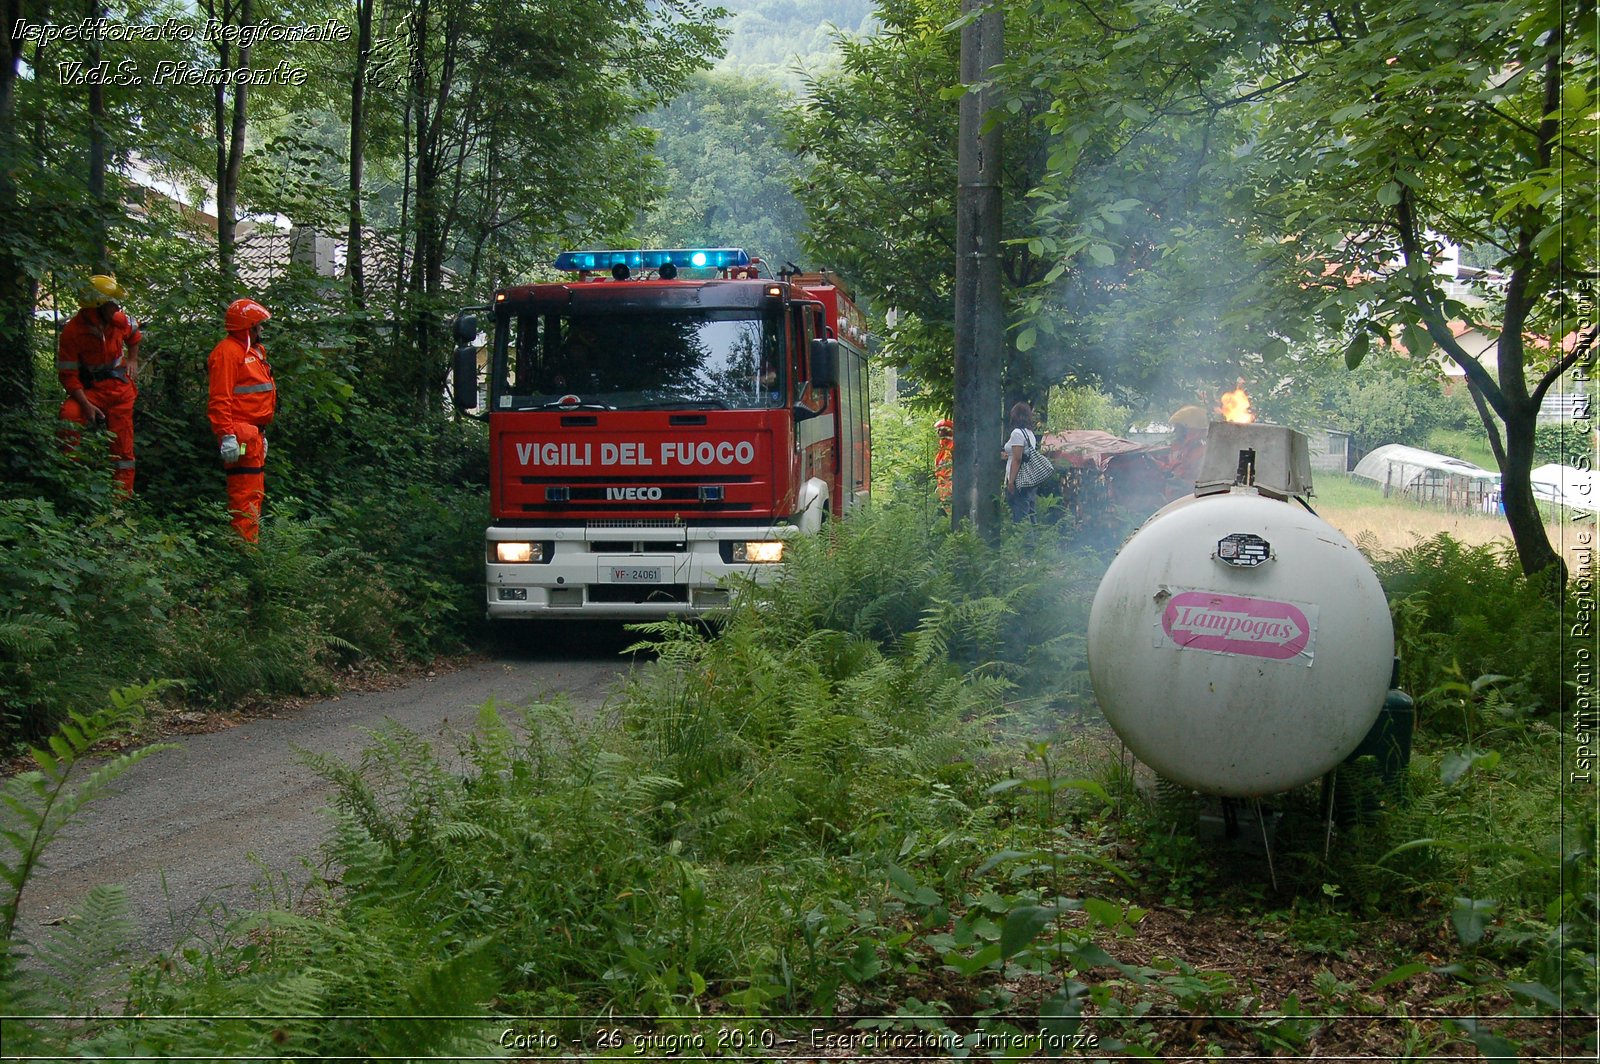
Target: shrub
[[1562, 444], [1462, 613], [1024, 601], [112, 594]]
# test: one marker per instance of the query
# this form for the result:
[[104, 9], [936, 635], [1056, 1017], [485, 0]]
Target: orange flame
[[1236, 406]]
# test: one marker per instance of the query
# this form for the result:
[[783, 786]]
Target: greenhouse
[[1434, 479]]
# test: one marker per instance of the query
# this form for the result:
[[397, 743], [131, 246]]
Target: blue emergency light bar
[[683, 258]]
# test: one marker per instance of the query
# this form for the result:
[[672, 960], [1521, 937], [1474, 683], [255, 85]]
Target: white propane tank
[[1240, 645]]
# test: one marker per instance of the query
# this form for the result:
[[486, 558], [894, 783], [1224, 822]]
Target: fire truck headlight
[[513, 551], [758, 551]]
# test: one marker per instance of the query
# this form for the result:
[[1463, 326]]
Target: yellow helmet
[[102, 289], [1190, 416]]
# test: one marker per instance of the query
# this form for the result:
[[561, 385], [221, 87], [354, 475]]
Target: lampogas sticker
[[1272, 629]]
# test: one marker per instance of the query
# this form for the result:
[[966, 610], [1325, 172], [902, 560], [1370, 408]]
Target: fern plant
[[69, 967], [41, 801]]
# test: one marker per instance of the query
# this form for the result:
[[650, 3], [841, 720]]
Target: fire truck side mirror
[[824, 363], [466, 328], [464, 387]]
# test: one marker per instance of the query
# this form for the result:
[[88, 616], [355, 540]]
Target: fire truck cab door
[[816, 436]]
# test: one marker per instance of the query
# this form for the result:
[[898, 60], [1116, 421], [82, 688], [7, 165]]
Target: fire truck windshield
[[639, 360]]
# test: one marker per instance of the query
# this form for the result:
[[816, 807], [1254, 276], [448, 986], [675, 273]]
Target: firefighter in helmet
[[944, 459], [1187, 452], [97, 360], [243, 401]]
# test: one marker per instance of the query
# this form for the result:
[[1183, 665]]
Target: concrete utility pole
[[977, 478]]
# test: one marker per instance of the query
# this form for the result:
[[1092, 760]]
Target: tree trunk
[[1504, 397], [230, 134], [404, 236], [99, 254], [1522, 508], [435, 210], [977, 478], [355, 269], [16, 286], [1520, 415], [426, 182]]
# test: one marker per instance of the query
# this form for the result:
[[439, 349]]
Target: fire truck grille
[[634, 523], [675, 506]]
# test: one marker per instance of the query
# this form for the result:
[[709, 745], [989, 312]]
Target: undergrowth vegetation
[[876, 792], [377, 561]]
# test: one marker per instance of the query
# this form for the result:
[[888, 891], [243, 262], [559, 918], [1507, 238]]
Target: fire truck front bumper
[[624, 571]]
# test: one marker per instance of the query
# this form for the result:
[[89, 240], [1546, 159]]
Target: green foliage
[[1021, 605], [1492, 842], [96, 591], [780, 40], [904, 443], [80, 599], [726, 179], [1563, 444], [1467, 612], [1392, 404], [805, 810], [41, 801], [877, 138], [1077, 407], [1380, 145], [67, 973]]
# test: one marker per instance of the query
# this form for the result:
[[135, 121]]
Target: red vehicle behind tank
[[660, 422]]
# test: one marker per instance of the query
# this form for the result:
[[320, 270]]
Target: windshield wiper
[[559, 405]]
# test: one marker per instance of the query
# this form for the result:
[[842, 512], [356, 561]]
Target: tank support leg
[[1266, 842], [1331, 784]]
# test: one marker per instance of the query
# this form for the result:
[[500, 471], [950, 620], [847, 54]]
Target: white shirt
[[1019, 438]]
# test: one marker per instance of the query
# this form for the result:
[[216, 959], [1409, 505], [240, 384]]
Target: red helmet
[[945, 427], [244, 313]]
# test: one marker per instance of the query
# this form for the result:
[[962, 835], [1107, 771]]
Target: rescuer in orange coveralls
[[944, 459], [1187, 452], [98, 374], [243, 400]]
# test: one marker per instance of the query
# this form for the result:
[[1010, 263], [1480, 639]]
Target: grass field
[[1359, 510]]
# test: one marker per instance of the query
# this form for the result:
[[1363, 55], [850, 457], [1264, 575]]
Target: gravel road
[[194, 832]]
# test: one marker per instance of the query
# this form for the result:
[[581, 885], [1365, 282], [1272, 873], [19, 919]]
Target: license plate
[[628, 574]]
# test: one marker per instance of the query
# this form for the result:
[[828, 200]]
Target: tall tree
[[16, 284], [1098, 193], [541, 96], [1127, 205], [100, 255], [1386, 132], [727, 178], [355, 266], [980, 325], [230, 123]]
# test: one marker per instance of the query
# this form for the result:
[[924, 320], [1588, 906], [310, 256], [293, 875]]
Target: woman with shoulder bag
[[1026, 466]]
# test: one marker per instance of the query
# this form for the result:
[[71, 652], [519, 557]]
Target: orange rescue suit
[[243, 400], [90, 356], [1185, 458], [944, 464]]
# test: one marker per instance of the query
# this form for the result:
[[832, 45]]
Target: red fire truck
[[660, 421]]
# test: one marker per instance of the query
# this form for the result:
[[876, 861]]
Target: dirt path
[[200, 830]]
